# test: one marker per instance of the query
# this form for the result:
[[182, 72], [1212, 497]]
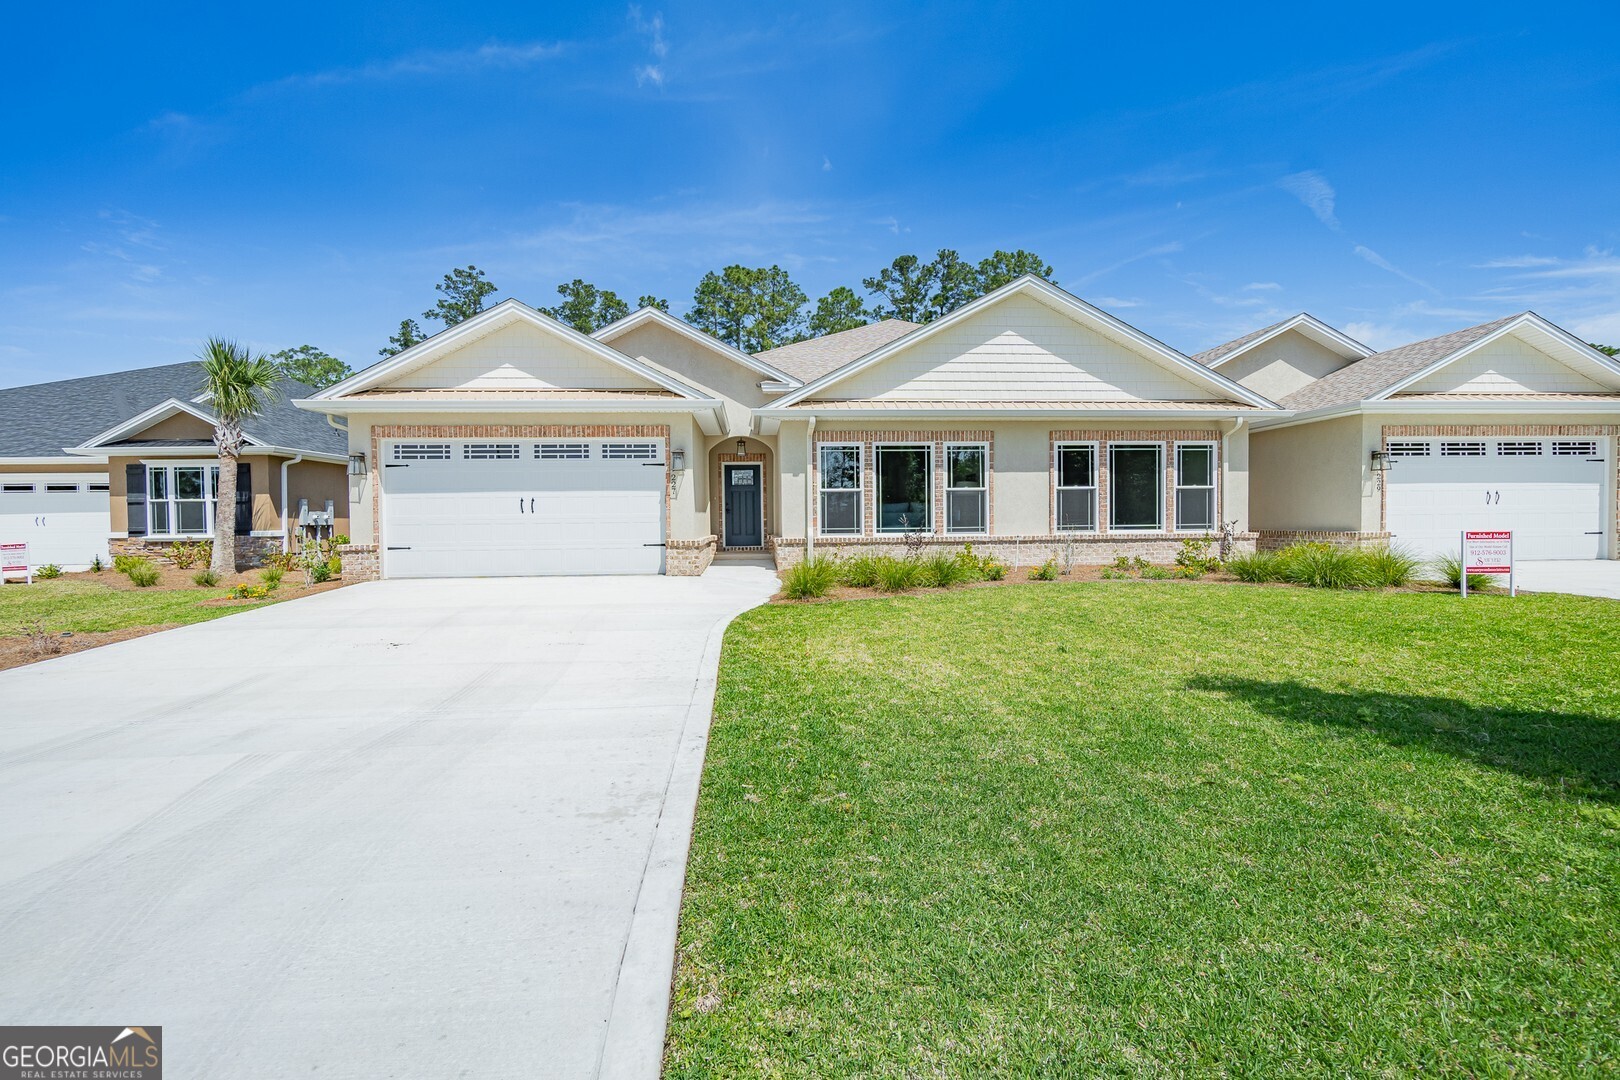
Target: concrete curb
[[633, 1041]]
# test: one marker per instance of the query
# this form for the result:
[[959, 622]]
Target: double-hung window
[[180, 499], [1195, 486], [904, 489], [1076, 479], [1136, 486], [841, 489], [967, 475]]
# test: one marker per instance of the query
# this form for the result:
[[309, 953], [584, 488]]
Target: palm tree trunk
[[224, 559]]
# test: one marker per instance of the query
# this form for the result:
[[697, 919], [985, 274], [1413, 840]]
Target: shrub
[[1257, 569], [189, 553], [334, 563], [250, 592], [1122, 562], [1323, 566], [1157, 573], [48, 571], [340, 539], [860, 572], [142, 573], [282, 560], [1139, 564], [1195, 558], [96, 565], [810, 578], [1047, 571], [1450, 570], [122, 563], [1389, 567], [205, 578], [943, 571], [992, 568], [1109, 573], [271, 576], [897, 575], [319, 572]]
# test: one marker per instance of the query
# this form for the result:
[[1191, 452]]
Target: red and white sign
[[14, 560], [1488, 551]]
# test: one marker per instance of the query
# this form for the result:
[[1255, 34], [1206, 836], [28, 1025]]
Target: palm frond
[[239, 384]]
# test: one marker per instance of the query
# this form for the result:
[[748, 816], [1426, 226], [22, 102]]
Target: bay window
[[840, 482], [1075, 474], [904, 489], [180, 499], [1136, 486], [967, 507], [1195, 486]]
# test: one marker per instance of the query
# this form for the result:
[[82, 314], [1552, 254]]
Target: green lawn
[[87, 606], [1160, 829]]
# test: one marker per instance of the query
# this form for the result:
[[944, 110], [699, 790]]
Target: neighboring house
[[125, 463], [1508, 425], [1027, 422]]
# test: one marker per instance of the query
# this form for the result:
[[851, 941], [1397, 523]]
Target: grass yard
[[1158, 829]]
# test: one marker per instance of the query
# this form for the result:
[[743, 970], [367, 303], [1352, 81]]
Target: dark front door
[[744, 524]]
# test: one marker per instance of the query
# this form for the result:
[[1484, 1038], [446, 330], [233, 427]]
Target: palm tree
[[239, 385]]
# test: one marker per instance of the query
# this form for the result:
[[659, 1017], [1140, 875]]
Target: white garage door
[[1549, 492], [504, 508], [62, 519]]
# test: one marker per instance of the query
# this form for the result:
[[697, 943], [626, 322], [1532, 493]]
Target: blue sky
[[295, 173]]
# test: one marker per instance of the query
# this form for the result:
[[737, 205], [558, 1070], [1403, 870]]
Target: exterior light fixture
[[742, 447], [1381, 461], [677, 460], [357, 464]]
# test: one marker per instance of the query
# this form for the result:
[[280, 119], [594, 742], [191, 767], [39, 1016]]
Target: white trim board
[[1329, 337], [662, 318]]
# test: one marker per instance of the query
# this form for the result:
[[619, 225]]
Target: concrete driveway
[[402, 829], [1597, 577]]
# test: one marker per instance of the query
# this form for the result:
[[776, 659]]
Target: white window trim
[[877, 486], [1113, 503], [1213, 487], [1057, 482], [210, 501], [983, 489], [859, 489]]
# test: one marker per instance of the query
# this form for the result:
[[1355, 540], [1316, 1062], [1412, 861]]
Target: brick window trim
[[764, 494], [383, 432], [868, 440], [1499, 431], [1168, 439]]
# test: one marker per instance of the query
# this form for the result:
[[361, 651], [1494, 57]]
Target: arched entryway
[[740, 511]]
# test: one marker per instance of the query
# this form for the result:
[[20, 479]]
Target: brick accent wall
[[1080, 549], [1611, 432], [689, 558], [251, 551], [360, 562]]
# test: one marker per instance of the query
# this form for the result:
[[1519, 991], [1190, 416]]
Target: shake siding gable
[[520, 356], [1507, 365], [1018, 350]]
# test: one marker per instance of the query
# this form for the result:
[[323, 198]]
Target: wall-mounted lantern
[[1381, 461], [357, 464], [742, 447], [677, 460]]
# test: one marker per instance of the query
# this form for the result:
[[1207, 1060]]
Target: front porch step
[[744, 558]]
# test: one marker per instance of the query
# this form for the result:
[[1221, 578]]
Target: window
[[1076, 487], [422, 452], [840, 489], [1573, 448], [97, 487], [967, 502], [619, 451], [567, 451], [1195, 486], [1408, 449], [904, 475], [1462, 449], [16, 489], [1518, 449], [61, 487], [490, 451], [180, 499], [1136, 486]]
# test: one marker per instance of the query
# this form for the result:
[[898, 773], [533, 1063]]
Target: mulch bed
[[17, 651]]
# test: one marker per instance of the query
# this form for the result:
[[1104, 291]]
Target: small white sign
[[14, 560], [1487, 551]]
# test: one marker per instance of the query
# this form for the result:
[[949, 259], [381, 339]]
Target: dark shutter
[[135, 483], [244, 498]]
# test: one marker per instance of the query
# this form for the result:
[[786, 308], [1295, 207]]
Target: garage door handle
[[531, 506], [1598, 533], [390, 465], [654, 464], [520, 504], [391, 547], [654, 545]]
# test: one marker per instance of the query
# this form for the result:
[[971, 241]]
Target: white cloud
[[826, 164], [1116, 302], [1160, 249], [1514, 262], [1261, 286], [649, 73], [428, 63], [1381, 335], [1313, 190], [652, 29], [1603, 329], [1382, 263]]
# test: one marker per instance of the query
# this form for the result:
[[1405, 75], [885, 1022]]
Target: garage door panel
[[68, 528], [530, 516]]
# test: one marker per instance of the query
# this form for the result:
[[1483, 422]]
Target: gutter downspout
[[286, 544], [809, 492], [1226, 462]]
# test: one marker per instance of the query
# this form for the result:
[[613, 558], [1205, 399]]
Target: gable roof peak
[[1324, 334]]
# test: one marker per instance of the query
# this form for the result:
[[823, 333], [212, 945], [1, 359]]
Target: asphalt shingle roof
[[1364, 378], [815, 357], [39, 420], [1220, 352]]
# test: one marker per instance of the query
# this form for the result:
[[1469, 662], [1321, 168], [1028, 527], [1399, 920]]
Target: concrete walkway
[[403, 829], [1599, 577]]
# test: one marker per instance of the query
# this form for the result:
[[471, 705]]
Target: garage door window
[[577, 451], [422, 452], [1564, 448], [490, 451], [1462, 449], [630, 451]]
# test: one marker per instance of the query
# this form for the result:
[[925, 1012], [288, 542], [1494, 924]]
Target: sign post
[[14, 559], [1488, 552]]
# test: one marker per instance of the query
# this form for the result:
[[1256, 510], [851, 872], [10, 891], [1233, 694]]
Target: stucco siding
[[1288, 362], [521, 357], [179, 426], [700, 367], [1019, 349], [1308, 477], [1507, 365]]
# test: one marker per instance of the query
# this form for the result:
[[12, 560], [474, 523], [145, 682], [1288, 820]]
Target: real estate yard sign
[[14, 560], [1488, 552]]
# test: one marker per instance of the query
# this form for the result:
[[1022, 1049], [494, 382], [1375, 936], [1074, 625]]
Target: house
[[1028, 422], [125, 463], [1511, 425]]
